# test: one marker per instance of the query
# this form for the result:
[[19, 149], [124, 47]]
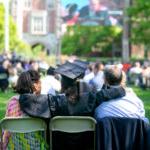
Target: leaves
[[80, 40], [140, 19], [14, 43]]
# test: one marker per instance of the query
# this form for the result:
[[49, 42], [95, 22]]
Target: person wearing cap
[[129, 106], [68, 103], [77, 98]]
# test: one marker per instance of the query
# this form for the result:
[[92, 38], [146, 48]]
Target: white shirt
[[88, 77], [98, 81], [50, 85], [135, 70], [129, 106]]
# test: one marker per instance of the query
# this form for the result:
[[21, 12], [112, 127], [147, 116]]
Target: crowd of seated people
[[67, 94], [105, 94], [139, 74], [12, 65]]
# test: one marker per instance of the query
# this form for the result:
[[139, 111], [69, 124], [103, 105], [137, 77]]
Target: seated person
[[129, 106], [72, 101], [76, 100], [50, 85], [98, 79], [4, 75], [28, 82]]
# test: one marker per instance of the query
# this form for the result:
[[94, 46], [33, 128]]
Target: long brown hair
[[26, 80]]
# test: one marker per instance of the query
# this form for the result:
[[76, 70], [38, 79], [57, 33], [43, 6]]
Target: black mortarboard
[[82, 64], [70, 70]]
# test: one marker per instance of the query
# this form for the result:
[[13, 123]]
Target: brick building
[[37, 21]]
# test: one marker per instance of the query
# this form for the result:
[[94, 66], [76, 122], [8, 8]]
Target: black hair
[[26, 80], [51, 71], [70, 88], [66, 83]]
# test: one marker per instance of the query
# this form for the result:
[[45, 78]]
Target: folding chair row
[[67, 124]]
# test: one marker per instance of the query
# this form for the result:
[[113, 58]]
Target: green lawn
[[4, 98], [143, 94]]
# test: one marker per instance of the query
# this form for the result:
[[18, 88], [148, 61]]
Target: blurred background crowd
[[12, 65]]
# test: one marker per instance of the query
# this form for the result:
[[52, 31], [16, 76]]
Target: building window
[[38, 23], [50, 4], [14, 8], [27, 4]]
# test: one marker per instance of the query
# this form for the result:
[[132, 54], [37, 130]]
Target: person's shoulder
[[130, 94], [14, 100], [129, 91]]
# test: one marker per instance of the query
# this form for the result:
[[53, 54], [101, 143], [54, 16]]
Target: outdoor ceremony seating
[[108, 133], [20, 126], [72, 124]]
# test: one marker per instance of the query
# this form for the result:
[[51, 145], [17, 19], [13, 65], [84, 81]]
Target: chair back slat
[[72, 124], [23, 124]]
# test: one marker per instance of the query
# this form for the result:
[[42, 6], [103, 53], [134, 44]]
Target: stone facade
[[36, 21]]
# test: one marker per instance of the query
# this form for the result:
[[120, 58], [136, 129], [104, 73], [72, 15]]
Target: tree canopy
[[15, 43], [80, 40], [139, 14]]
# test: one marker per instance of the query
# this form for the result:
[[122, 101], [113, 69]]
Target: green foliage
[[1, 27], [80, 40], [139, 13], [15, 43], [37, 49]]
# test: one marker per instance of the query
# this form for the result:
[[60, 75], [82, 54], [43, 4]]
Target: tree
[[139, 13], [15, 43], [80, 40]]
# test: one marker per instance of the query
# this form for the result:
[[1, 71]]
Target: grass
[[145, 97], [4, 98], [143, 94]]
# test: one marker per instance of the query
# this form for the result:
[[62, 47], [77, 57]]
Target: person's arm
[[109, 94]]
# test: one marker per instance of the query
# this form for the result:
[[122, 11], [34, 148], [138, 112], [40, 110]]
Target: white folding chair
[[22, 125], [72, 124]]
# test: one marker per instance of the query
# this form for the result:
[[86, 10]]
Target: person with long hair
[[28, 82]]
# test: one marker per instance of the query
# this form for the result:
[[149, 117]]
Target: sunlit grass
[[4, 98], [145, 97]]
